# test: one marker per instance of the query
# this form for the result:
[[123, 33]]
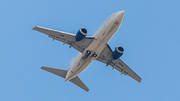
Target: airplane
[[90, 49]]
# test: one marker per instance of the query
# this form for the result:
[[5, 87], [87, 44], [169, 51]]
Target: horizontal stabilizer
[[60, 72], [77, 81]]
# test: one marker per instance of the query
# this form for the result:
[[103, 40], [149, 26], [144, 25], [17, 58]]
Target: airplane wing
[[66, 38], [118, 64]]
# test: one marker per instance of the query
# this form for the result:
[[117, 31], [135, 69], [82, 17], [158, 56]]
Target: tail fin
[[62, 73]]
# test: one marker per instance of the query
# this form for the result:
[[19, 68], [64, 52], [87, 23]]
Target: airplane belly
[[82, 67], [102, 37], [82, 61], [80, 64]]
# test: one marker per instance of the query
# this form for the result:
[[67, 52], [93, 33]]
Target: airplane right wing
[[118, 64], [66, 38]]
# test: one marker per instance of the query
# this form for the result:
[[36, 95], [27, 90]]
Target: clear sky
[[150, 35]]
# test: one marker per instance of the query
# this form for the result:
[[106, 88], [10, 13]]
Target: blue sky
[[150, 35]]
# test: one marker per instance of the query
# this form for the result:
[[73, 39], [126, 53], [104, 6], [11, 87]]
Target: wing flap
[[118, 64], [57, 35], [124, 69], [66, 38]]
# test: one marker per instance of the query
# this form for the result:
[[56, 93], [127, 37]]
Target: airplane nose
[[119, 16], [122, 12]]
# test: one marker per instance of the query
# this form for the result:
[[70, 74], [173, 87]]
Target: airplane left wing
[[118, 64], [66, 38]]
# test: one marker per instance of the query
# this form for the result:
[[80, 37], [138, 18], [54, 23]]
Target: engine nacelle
[[118, 52], [81, 34]]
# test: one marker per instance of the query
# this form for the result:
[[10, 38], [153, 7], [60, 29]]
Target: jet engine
[[118, 52], [81, 34]]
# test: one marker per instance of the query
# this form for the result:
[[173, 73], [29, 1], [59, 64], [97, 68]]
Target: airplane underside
[[90, 49]]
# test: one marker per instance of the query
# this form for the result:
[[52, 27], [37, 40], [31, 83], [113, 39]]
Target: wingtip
[[34, 28], [87, 90], [43, 67], [140, 81]]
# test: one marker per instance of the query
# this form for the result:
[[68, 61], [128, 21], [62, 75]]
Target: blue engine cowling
[[118, 52], [81, 34]]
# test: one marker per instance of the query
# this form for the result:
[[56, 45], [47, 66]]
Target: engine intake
[[118, 52], [81, 34]]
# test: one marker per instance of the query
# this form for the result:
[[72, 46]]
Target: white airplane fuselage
[[102, 37]]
